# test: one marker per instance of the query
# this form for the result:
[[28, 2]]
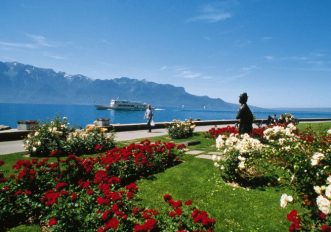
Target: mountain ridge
[[22, 83]]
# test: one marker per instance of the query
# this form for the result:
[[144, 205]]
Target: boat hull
[[102, 107]]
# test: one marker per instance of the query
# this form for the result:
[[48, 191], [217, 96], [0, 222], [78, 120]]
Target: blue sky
[[278, 51]]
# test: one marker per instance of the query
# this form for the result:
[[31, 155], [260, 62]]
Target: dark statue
[[244, 115]]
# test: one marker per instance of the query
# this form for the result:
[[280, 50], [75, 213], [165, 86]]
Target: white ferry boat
[[122, 105]]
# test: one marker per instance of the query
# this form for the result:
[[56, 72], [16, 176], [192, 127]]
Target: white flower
[[328, 180], [328, 191], [241, 165], [329, 131], [316, 158], [318, 189], [34, 149], [36, 133], [284, 199], [323, 204], [38, 143]]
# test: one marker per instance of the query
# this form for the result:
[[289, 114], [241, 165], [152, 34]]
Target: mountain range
[[21, 83]]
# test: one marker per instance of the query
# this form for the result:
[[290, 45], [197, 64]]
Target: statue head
[[243, 98]]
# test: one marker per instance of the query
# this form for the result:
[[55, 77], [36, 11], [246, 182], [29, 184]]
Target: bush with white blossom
[[55, 138], [181, 129], [242, 159]]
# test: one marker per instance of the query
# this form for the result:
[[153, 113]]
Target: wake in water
[[159, 109]]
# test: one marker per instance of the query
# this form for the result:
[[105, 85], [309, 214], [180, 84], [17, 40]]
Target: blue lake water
[[81, 115]]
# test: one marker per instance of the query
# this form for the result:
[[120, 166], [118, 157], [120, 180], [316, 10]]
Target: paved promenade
[[8, 147]]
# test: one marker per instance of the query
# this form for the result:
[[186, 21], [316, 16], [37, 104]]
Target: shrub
[[93, 194], [55, 138], [179, 129], [48, 137]]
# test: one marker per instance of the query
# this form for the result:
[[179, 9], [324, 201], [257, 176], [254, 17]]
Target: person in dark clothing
[[149, 117], [244, 115]]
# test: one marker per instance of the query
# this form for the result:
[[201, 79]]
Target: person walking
[[244, 115], [149, 117]]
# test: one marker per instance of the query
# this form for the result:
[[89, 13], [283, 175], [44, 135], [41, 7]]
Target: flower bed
[[95, 193], [179, 129], [228, 130], [285, 156]]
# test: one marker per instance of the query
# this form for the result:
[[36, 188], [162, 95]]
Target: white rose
[[241, 165], [315, 159], [328, 191], [34, 149], [318, 189], [323, 204], [284, 199], [328, 180]]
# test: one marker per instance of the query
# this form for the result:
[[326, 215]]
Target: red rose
[[74, 196], [188, 202], [53, 153], [325, 228], [52, 221], [112, 223], [167, 197]]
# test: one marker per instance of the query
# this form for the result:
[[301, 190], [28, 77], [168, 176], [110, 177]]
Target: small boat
[[122, 105]]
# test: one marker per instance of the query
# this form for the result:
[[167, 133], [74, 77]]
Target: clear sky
[[278, 51]]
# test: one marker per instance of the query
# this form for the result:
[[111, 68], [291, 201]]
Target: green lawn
[[235, 209], [320, 127]]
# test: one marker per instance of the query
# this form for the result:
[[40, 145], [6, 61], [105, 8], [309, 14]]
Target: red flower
[[61, 185], [188, 202], [104, 216], [149, 225], [326, 228], [112, 223], [294, 218], [102, 201], [322, 216], [74, 196], [54, 152], [50, 197], [84, 184], [52, 221], [89, 192], [172, 213], [98, 147], [132, 187], [175, 204], [135, 211], [179, 211], [167, 197], [100, 176], [2, 162]]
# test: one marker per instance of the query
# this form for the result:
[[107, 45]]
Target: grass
[[319, 127], [235, 209]]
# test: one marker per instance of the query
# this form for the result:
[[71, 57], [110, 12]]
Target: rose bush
[[90, 194], [299, 159], [55, 138], [181, 129]]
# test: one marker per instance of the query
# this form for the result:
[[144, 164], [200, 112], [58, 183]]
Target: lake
[[81, 115]]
